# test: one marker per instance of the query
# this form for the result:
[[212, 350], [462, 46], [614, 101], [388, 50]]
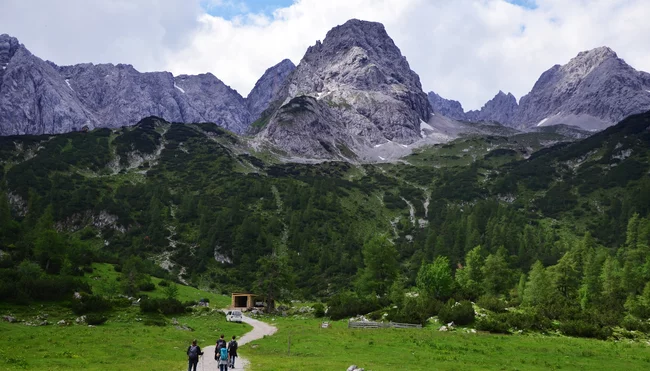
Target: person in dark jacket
[[232, 351], [193, 353]]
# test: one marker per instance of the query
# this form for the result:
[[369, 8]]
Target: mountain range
[[353, 96], [594, 90]]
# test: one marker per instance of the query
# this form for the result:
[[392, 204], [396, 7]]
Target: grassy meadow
[[336, 348], [124, 342]]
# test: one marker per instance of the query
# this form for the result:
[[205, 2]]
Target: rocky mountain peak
[[267, 87], [8, 47], [361, 90], [446, 107], [502, 108]]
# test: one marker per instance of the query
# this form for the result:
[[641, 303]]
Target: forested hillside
[[221, 214]]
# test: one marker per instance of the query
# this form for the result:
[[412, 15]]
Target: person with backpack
[[232, 351], [193, 353], [223, 359]]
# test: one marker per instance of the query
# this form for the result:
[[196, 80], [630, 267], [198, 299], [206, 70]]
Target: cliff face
[[267, 87]]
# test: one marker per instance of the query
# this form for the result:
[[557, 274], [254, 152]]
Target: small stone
[[9, 319]]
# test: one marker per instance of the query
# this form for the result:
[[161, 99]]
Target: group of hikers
[[224, 354]]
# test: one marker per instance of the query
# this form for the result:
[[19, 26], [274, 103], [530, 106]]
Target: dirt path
[[260, 329]]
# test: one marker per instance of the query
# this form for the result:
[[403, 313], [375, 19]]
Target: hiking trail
[[260, 329]]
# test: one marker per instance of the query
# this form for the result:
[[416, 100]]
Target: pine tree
[[538, 291], [380, 266]]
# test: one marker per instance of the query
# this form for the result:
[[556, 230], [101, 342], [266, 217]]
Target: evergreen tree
[[538, 291], [380, 266], [496, 274]]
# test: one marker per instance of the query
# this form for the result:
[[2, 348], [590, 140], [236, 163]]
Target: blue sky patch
[[231, 8], [528, 4]]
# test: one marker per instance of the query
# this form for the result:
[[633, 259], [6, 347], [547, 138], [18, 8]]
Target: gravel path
[[260, 329]]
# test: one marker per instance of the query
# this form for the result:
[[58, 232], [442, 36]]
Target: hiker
[[193, 353], [232, 351], [223, 358], [221, 343]]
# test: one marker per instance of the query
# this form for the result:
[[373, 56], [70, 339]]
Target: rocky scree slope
[[594, 90], [352, 91]]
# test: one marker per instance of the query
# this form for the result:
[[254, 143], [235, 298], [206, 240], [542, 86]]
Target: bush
[[90, 304], [584, 329], [493, 324], [319, 310], [147, 286], [163, 283], [348, 304], [155, 322], [491, 303], [461, 313], [164, 306], [631, 323], [416, 310], [95, 319]]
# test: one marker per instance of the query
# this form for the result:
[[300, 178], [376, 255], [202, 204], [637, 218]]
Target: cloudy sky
[[462, 49]]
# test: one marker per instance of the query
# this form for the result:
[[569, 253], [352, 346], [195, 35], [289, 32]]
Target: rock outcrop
[[353, 90], [446, 107], [502, 109], [267, 88]]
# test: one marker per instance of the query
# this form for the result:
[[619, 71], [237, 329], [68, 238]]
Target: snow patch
[[179, 88], [67, 81], [646, 90], [381, 158], [542, 122]]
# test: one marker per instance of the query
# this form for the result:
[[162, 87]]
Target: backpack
[[193, 351], [221, 343], [232, 346], [224, 354]]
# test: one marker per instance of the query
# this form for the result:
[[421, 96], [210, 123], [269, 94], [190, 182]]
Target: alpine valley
[[342, 180]]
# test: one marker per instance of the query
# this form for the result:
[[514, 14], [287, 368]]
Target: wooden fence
[[367, 324]]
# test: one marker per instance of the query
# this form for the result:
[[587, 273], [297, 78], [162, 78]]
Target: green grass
[[337, 348], [124, 342]]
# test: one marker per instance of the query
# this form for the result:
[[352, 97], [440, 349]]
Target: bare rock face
[[502, 109], [34, 98], [267, 88], [38, 97], [363, 93], [446, 107], [594, 90]]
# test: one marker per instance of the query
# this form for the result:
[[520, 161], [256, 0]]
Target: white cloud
[[462, 49]]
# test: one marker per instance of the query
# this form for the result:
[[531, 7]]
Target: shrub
[[155, 322], [584, 329], [95, 319], [492, 324], [631, 323], [491, 303], [163, 283], [319, 310], [461, 313], [348, 304], [90, 304], [164, 306], [147, 286]]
